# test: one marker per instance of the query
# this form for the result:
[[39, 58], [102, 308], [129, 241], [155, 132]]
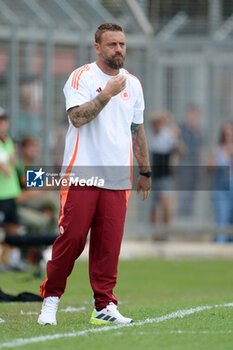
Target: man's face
[[31, 151], [112, 49], [157, 124], [193, 116], [4, 124]]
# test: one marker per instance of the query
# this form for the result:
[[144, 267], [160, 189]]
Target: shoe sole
[[47, 323], [99, 322]]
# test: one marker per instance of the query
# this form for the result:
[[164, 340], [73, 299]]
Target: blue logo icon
[[35, 178]]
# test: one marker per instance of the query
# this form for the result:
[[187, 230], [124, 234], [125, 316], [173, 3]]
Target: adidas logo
[[105, 317], [99, 90]]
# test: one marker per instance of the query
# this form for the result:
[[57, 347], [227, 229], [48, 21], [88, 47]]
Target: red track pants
[[104, 212]]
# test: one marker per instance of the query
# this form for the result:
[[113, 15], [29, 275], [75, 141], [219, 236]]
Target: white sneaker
[[109, 314], [48, 311]]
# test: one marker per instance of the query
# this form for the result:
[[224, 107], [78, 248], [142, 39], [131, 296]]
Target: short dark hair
[[27, 140], [221, 138], [113, 27]]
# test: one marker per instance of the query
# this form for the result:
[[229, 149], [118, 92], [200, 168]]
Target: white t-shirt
[[164, 141], [102, 147]]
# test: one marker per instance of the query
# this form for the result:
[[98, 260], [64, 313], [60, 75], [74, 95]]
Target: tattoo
[[88, 111], [140, 147], [133, 128]]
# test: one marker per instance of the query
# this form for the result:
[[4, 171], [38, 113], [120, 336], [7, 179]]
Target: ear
[[97, 48]]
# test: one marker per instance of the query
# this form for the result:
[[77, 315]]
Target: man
[[105, 105], [189, 166], [9, 191], [165, 143], [37, 209]]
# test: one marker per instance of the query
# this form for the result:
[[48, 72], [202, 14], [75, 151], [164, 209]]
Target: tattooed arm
[[141, 154], [86, 112], [83, 114]]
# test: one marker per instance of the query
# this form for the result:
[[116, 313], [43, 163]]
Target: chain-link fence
[[181, 51]]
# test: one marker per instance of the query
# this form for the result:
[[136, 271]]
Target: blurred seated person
[[165, 143], [9, 191], [222, 160], [37, 209], [29, 120], [29, 153]]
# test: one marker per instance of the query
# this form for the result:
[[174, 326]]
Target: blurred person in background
[[29, 153], [188, 170], [165, 143], [38, 211], [9, 191], [29, 121], [222, 160]]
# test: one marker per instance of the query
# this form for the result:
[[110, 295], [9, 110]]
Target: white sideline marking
[[178, 332], [28, 312], [68, 309], [177, 314], [1, 320], [200, 332], [72, 309]]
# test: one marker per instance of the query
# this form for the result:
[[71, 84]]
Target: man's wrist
[[105, 95]]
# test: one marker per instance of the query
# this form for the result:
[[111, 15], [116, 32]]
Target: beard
[[115, 62]]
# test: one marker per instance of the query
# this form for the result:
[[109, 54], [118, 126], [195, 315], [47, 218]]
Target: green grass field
[[146, 289]]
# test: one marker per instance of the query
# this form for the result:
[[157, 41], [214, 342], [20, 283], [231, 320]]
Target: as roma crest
[[125, 95]]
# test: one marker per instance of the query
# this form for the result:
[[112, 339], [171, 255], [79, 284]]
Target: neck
[[191, 125], [2, 137], [26, 161], [106, 69], [228, 144]]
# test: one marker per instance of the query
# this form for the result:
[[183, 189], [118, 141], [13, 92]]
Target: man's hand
[[88, 111], [144, 185], [115, 85]]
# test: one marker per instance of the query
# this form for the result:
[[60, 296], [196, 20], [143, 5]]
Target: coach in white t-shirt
[[105, 105]]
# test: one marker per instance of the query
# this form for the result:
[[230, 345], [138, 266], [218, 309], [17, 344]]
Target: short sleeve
[[139, 106], [76, 89]]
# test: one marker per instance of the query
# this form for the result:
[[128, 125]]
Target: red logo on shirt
[[99, 90], [125, 95]]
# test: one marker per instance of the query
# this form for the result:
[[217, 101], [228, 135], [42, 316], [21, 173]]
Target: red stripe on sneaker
[[42, 288]]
